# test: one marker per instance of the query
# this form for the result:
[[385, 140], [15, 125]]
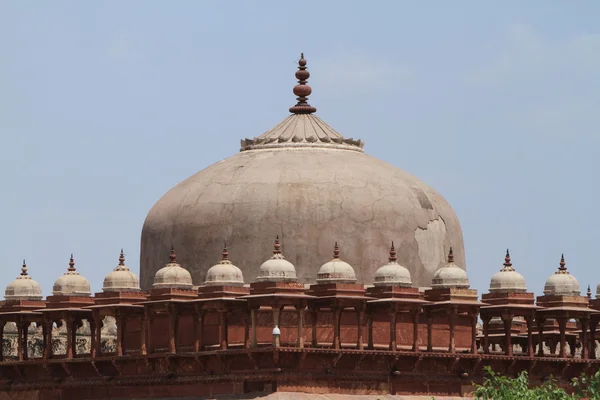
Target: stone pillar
[[360, 314], [222, 330], [530, 349], [585, 344], [486, 332], [172, 312], [429, 331], [149, 320], [253, 341], [337, 312], [314, 314], [20, 335], [47, 332], [98, 333], [2, 324], [276, 312], [452, 316], [592, 338], [76, 323], [370, 345], [143, 334], [474, 332], [300, 312], [562, 327], [69, 322], [507, 320], [247, 323], [93, 337], [120, 321], [199, 339], [540, 324], [393, 316], [415, 346]]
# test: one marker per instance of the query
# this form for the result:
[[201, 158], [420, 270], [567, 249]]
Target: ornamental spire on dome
[[562, 269], [302, 129], [225, 254], [71, 264], [172, 256], [507, 263], [277, 246], [589, 292], [121, 259], [393, 257], [450, 256], [302, 90], [24, 269], [336, 251]]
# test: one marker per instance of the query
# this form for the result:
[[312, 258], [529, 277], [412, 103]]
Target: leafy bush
[[498, 387]]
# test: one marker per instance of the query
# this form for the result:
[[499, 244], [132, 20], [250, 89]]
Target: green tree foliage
[[498, 387]]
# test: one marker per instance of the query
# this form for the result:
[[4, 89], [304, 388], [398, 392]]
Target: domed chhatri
[[310, 181], [392, 274], [23, 288], [336, 270], [121, 279], [508, 280], [224, 273], [562, 283], [172, 275], [71, 283], [277, 268], [450, 275]]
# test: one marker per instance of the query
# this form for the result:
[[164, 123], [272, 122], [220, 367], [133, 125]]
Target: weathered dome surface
[[23, 288], [71, 283], [224, 273], [508, 280], [277, 268], [450, 275], [121, 279], [172, 275], [336, 270], [392, 274], [308, 184], [562, 283]]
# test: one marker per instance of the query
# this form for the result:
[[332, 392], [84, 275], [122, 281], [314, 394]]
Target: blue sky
[[104, 106]]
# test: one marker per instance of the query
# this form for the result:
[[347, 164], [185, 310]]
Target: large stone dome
[[311, 186]]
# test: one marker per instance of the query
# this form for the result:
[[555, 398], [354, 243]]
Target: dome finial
[[24, 269], [336, 251], [393, 257], [450, 256], [562, 266], [302, 90], [589, 292], [507, 262], [122, 259], [277, 246], [172, 256], [71, 264], [225, 254]]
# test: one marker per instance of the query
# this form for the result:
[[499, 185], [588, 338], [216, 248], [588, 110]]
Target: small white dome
[[224, 273], [392, 274], [71, 283], [172, 275], [277, 268], [508, 280], [121, 279], [450, 275], [562, 283], [23, 288], [336, 270]]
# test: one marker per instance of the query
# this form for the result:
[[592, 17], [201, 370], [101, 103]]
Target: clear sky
[[104, 106]]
